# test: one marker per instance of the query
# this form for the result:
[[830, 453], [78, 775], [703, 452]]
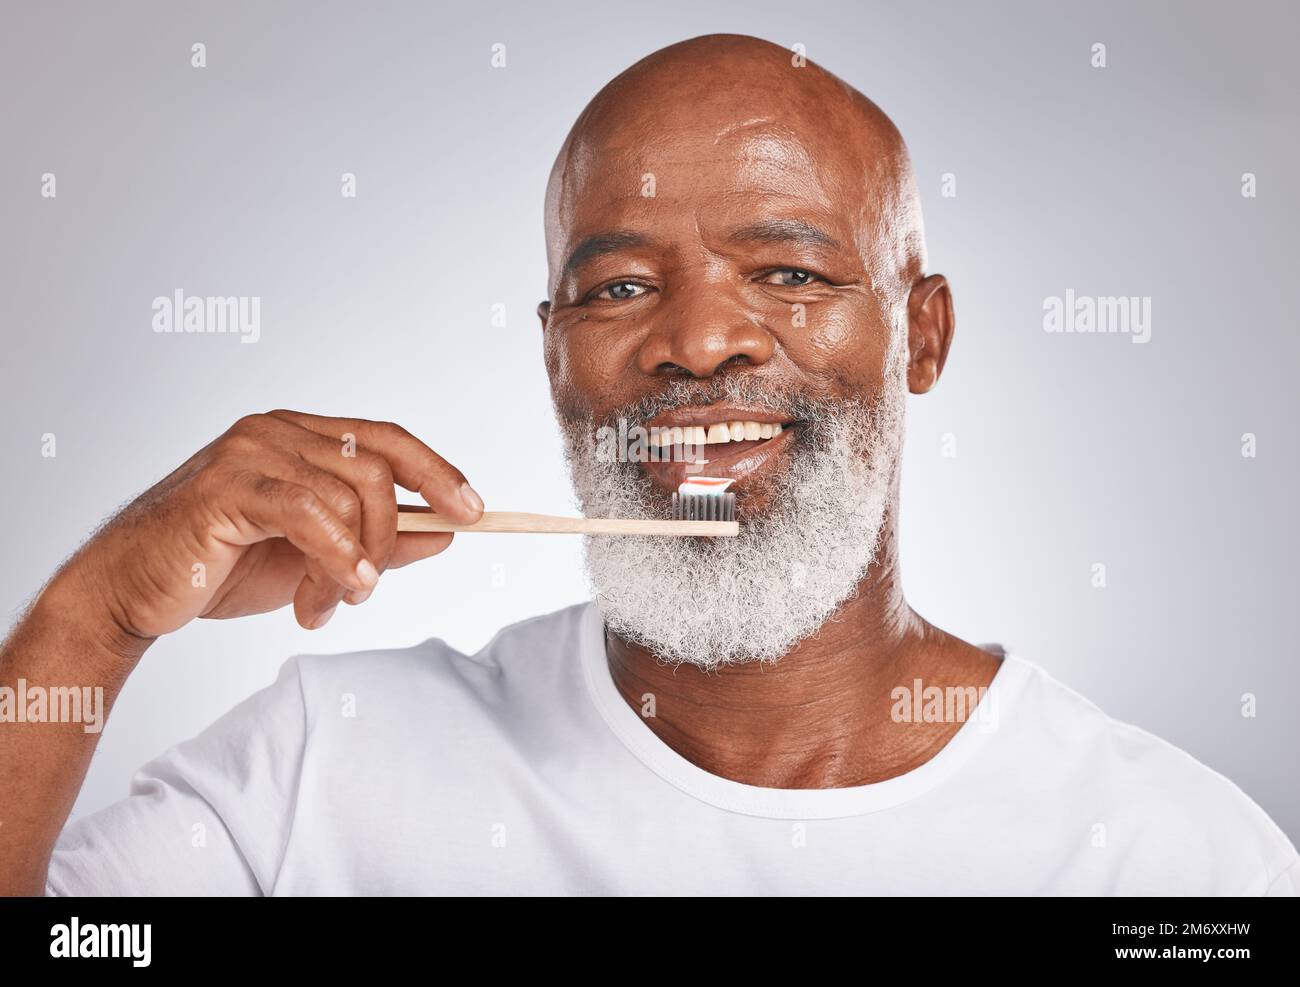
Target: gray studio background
[[1070, 449]]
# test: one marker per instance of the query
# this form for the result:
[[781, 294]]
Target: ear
[[930, 325], [544, 312]]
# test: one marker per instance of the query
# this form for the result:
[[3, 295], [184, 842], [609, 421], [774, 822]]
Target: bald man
[[737, 290]]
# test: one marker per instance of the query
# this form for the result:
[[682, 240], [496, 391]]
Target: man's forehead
[[759, 172], [762, 156]]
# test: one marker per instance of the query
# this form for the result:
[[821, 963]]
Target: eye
[[792, 277], [621, 291]]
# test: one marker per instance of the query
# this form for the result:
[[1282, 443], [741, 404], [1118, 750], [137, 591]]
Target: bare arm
[[43, 764], [281, 508]]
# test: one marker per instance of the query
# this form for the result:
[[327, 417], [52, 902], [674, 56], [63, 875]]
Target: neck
[[820, 717]]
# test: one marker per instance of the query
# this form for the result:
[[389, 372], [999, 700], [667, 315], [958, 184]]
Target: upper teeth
[[712, 434]]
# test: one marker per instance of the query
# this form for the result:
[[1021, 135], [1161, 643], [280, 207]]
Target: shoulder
[[523, 654], [1153, 801]]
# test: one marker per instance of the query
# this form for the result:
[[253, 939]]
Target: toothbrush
[[701, 507]]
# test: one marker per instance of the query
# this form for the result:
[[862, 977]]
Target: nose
[[702, 328]]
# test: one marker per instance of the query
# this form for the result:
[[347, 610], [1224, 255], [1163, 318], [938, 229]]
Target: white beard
[[718, 601]]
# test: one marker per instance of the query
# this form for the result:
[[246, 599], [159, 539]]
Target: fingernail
[[472, 500], [367, 574], [324, 618]]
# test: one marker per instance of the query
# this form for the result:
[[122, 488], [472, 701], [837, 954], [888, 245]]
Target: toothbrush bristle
[[704, 507]]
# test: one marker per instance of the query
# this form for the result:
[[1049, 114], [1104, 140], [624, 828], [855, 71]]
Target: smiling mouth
[[699, 442], [704, 443]]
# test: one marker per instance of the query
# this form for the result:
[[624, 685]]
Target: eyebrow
[[784, 231], [599, 244], [765, 231]]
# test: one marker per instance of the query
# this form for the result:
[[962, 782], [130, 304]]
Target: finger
[[270, 506], [318, 595], [316, 598], [371, 478], [415, 466], [362, 494], [412, 546]]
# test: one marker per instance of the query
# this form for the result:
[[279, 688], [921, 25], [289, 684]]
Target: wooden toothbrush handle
[[413, 518]]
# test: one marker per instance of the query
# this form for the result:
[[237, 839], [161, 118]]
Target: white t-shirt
[[521, 770]]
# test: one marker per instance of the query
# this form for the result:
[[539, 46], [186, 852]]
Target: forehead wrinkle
[[771, 159], [731, 128]]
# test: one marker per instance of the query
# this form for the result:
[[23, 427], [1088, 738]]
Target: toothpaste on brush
[[697, 486]]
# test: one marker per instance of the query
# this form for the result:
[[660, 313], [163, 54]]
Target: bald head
[[761, 121]]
